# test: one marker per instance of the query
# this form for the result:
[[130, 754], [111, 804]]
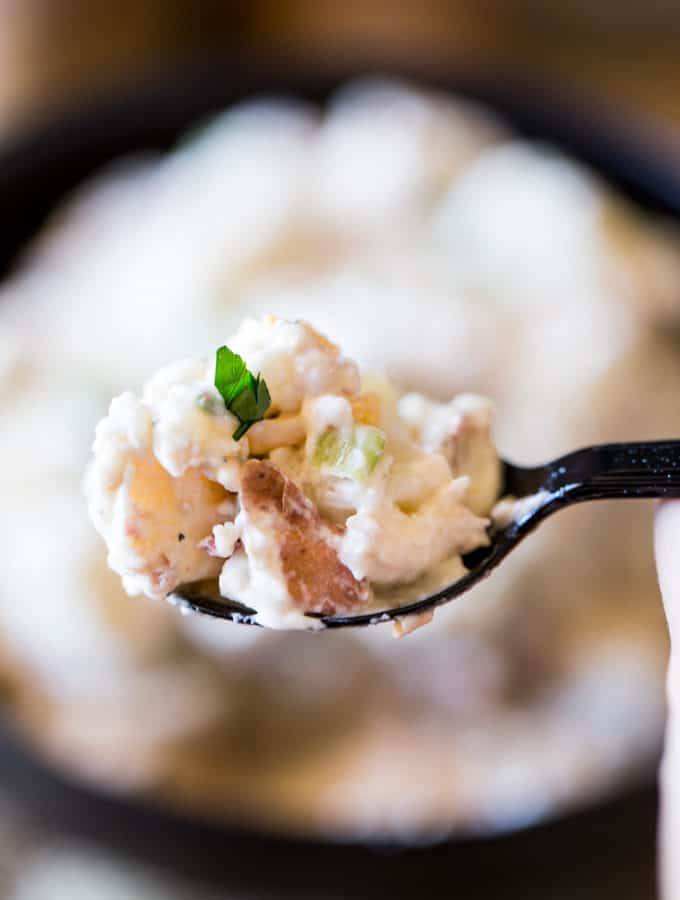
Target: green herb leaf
[[241, 430], [264, 400], [244, 406], [231, 375], [244, 395]]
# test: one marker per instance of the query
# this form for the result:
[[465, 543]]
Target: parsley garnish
[[246, 396]]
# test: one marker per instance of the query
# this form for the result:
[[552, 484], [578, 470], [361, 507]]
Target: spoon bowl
[[627, 471]]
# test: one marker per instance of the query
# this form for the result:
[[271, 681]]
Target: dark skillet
[[607, 850]]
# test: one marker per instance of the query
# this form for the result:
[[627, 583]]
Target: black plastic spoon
[[606, 472]]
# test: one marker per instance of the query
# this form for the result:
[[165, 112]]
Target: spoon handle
[[608, 471]]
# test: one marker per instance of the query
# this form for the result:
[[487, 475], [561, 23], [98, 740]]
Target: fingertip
[[667, 528], [667, 550]]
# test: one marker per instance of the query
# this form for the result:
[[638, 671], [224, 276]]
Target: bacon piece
[[317, 580]]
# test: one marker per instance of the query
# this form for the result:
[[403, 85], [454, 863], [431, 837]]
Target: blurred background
[[60, 53], [55, 52]]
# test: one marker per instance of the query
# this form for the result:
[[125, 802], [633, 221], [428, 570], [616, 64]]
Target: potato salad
[[305, 488]]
